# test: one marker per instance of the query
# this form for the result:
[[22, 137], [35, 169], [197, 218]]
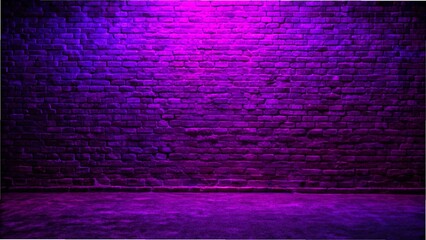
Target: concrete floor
[[212, 215]]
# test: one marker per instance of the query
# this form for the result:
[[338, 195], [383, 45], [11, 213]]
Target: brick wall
[[213, 94]]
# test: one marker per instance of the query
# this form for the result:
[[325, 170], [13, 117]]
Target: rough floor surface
[[212, 215]]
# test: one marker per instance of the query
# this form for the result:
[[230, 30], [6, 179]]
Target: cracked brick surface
[[241, 94]]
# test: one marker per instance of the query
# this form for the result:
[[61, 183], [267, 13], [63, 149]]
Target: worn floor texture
[[212, 215]]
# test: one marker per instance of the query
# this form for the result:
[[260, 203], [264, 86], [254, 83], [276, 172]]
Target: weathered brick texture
[[242, 94]]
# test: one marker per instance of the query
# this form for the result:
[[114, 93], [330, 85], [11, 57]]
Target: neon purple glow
[[286, 95]]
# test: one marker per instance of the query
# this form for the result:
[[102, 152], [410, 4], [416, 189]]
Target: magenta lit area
[[212, 119]]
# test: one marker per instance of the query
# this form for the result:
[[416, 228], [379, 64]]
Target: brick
[[259, 94]]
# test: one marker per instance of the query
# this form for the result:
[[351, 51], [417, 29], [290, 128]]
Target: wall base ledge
[[219, 189]]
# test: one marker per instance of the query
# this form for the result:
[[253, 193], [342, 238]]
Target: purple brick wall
[[218, 94]]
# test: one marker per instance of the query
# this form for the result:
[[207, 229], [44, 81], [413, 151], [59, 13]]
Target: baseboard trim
[[221, 189]]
